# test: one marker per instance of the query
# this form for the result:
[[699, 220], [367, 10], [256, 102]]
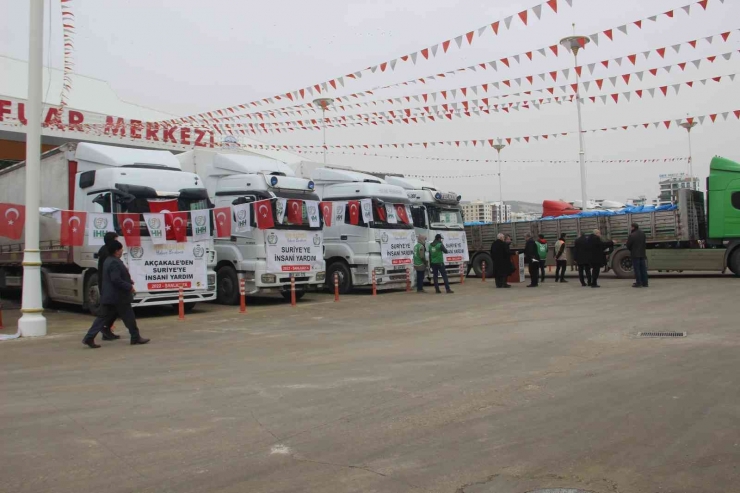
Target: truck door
[[732, 210]]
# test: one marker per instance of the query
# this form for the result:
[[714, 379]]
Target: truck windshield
[[136, 199], [444, 217], [380, 218], [286, 224]]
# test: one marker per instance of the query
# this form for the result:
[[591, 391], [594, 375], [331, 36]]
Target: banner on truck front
[[456, 244], [294, 251], [397, 247], [168, 266]]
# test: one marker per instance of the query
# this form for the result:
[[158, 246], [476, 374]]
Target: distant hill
[[527, 207]]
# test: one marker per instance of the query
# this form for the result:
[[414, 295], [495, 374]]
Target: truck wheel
[[188, 307], [478, 265], [92, 295], [622, 264], [298, 294], [345, 277], [227, 282], [734, 262]]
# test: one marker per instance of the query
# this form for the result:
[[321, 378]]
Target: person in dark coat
[[118, 291], [580, 255], [532, 257], [501, 256], [636, 244], [596, 256], [103, 254]]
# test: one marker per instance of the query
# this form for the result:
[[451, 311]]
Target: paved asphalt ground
[[495, 391]]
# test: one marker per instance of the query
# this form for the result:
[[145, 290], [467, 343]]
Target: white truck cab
[[233, 178], [382, 245], [94, 178], [437, 212]]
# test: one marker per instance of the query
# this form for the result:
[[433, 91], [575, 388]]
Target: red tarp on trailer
[[557, 208]]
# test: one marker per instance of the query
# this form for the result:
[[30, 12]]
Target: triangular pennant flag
[[613, 80], [632, 58], [413, 57], [687, 8], [696, 63], [523, 17], [591, 67], [481, 30], [553, 4], [603, 99], [458, 41], [595, 39], [676, 86], [661, 52], [608, 34], [725, 114], [701, 120], [652, 92], [618, 61], [469, 37], [586, 85], [537, 10], [639, 75], [507, 21], [434, 50]]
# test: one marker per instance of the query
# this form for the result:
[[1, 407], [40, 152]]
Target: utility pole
[[323, 103], [575, 43], [32, 322], [688, 125], [498, 148]]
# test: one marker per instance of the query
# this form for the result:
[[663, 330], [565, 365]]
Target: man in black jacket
[[501, 256], [532, 257], [103, 254], [580, 255], [596, 256], [118, 290], [636, 244]]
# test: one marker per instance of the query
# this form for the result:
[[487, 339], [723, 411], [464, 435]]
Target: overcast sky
[[189, 56]]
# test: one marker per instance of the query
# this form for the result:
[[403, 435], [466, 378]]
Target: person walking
[[532, 257], [636, 243], [103, 254], [420, 262], [437, 261], [542, 248], [501, 257], [595, 256], [561, 259], [118, 291], [580, 255]]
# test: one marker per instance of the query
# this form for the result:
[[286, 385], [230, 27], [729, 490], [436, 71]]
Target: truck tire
[[227, 286], [622, 264], [478, 265], [91, 301], [734, 262], [345, 277], [298, 295], [189, 307]]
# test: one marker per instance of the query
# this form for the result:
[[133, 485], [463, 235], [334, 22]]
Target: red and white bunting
[[310, 92]]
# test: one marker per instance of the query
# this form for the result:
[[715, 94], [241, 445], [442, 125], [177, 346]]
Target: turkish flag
[[167, 207], [179, 222], [222, 216], [73, 228], [326, 210], [130, 227], [354, 212], [381, 212], [401, 213], [295, 212], [12, 218], [263, 214]]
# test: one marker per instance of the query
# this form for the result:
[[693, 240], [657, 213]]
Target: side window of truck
[[735, 200], [417, 215]]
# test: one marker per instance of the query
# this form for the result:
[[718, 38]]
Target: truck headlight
[[379, 271], [320, 276], [269, 278]]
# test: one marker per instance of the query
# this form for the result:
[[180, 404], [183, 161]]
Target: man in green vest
[[420, 262], [542, 250], [437, 261]]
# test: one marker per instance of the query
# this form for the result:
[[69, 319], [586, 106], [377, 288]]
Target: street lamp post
[[323, 103], [32, 322], [688, 126], [498, 148], [575, 43]]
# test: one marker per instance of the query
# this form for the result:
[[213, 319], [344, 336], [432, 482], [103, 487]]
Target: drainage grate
[[661, 334], [559, 490]]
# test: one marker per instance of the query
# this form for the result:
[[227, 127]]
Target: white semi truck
[[95, 178], [373, 240], [233, 178], [437, 212]]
